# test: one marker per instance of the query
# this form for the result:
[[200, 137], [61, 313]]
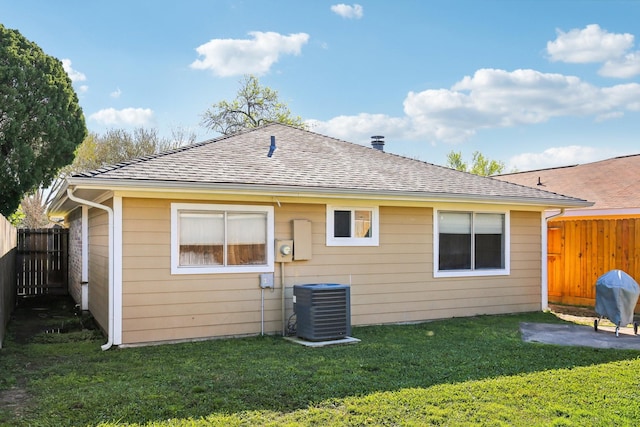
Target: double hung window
[[221, 238], [471, 242]]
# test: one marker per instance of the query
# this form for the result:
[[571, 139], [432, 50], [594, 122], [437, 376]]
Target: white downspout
[[282, 306], [545, 260], [84, 280], [109, 342]]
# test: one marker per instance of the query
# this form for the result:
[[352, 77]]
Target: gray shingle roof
[[611, 184], [310, 161]]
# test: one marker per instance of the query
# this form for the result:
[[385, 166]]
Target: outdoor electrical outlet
[[266, 280]]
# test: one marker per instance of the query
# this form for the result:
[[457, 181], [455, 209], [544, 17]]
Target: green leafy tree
[[254, 106], [41, 122], [480, 166]]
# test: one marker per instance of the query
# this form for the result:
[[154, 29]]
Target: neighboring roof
[[304, 162], [610, 184]]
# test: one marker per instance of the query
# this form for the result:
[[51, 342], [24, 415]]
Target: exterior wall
[[74, 223], [99, 266], [392, 282]]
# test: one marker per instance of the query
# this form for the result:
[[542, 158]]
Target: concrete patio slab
[[580, 335]]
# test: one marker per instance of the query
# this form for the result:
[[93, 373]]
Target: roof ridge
[[625, 156], [539, 170], [142, 159], [539, 189]]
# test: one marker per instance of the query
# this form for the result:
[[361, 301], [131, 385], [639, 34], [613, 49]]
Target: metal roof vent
[[377, 142]]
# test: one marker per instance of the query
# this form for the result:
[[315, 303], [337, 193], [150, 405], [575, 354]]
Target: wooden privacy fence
[[7, 274], [41, 261], [580, 251]]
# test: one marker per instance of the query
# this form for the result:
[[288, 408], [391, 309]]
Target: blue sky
[[534, 84]]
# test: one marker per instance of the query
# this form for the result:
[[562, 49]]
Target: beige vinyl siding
[[99, 266], [390, 283], [158, 306]]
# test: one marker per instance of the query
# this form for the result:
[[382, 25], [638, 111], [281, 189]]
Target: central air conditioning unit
[[323, 311]]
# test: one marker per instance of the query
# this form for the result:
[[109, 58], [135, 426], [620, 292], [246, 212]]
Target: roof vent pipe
[[272, 148], [377, 142]]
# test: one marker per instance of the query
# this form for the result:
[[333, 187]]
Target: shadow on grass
[[74, 383]]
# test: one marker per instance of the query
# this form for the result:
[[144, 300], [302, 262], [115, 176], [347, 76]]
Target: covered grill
[[616, 298]]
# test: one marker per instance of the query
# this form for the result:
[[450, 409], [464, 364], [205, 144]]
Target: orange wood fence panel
[[580, 251]]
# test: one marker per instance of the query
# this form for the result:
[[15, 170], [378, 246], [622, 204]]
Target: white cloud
[[490, 99], [360, 128], [124, 117], [557, 156], [230, 57], [591, 44], [348, 11], [626, 67], [609, 116], [116, 93], [74, 75], [497, 98]]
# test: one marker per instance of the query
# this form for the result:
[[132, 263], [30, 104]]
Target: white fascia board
[[303, 192]]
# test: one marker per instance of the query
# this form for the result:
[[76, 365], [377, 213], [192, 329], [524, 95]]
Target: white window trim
[[176, 268], [374, 240], [472, 273]]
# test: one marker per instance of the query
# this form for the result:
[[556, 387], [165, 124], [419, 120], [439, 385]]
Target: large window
[[471, 243], [221, 238], [352, 226]]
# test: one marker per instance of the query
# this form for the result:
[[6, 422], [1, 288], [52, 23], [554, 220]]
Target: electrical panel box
[[302, 239], [266, 280], [284, 251]]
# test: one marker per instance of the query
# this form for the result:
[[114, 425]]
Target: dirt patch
[[582, 315], [34, 317], [41, 319], [13, 400], [570, 313]]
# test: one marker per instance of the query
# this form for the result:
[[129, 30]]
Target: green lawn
[[473, 371]]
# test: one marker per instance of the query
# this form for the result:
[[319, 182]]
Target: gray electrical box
[[266, 280]]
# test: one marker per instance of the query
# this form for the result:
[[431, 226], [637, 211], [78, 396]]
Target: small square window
[[347, 226]]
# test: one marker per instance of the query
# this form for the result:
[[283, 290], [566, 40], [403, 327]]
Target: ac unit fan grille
[[322, 311]]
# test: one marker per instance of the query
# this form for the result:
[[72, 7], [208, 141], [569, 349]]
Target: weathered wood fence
[[41, 261], [7, 274], [580, 251]]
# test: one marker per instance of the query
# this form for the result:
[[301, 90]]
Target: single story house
[[586, 242], [177, 246]]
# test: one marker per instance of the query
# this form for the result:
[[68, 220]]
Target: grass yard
[[473, 371]]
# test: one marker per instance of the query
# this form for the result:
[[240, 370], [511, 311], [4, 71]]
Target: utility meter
[[284, 250]]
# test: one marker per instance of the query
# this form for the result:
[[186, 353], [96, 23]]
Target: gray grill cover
[[616, 297]]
